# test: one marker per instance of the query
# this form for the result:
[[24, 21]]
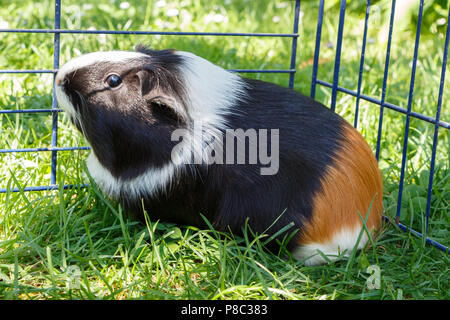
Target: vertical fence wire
[[436, 126], [294, 44], [361, 64], [385, 78], [317, 49], [337, 61], [56, 48], [408, 114]]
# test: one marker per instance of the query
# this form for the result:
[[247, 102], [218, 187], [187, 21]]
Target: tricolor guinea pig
[[179, 137]]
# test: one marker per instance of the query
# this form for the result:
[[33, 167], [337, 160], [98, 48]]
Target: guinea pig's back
[[325, 161]]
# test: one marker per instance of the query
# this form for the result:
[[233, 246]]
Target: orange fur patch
[[351, 184]]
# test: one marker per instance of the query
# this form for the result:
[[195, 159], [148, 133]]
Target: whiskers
[[76, 115]]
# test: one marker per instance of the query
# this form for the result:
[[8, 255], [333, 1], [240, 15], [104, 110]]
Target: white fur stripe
[[64, 102], [211, 90], [146, 184], [342, 243], [95, 57]]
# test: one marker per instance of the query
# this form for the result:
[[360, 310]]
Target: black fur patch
[[229, 194]]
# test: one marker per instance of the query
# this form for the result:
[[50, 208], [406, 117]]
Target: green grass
[[47, 236]]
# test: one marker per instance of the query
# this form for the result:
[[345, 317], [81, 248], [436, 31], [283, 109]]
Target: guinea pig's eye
[[113, 80]]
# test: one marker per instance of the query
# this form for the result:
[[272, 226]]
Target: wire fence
[[334, 86], [438, 123]]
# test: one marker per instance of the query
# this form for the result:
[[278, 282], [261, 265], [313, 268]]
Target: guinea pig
[[179, 137]]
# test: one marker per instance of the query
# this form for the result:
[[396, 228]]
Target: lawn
[[75, 244]]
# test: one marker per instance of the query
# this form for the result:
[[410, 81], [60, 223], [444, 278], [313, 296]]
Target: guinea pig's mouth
[[69, 102]]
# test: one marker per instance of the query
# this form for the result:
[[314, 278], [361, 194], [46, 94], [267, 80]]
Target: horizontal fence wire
[[31, 111], [388, 105], [44, 188], [231, 70], [52, 149], [166, 33], [382, 103], [28, 71]]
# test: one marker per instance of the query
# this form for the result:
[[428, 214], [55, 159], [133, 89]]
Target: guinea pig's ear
[[146, 81], [152, 91]]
